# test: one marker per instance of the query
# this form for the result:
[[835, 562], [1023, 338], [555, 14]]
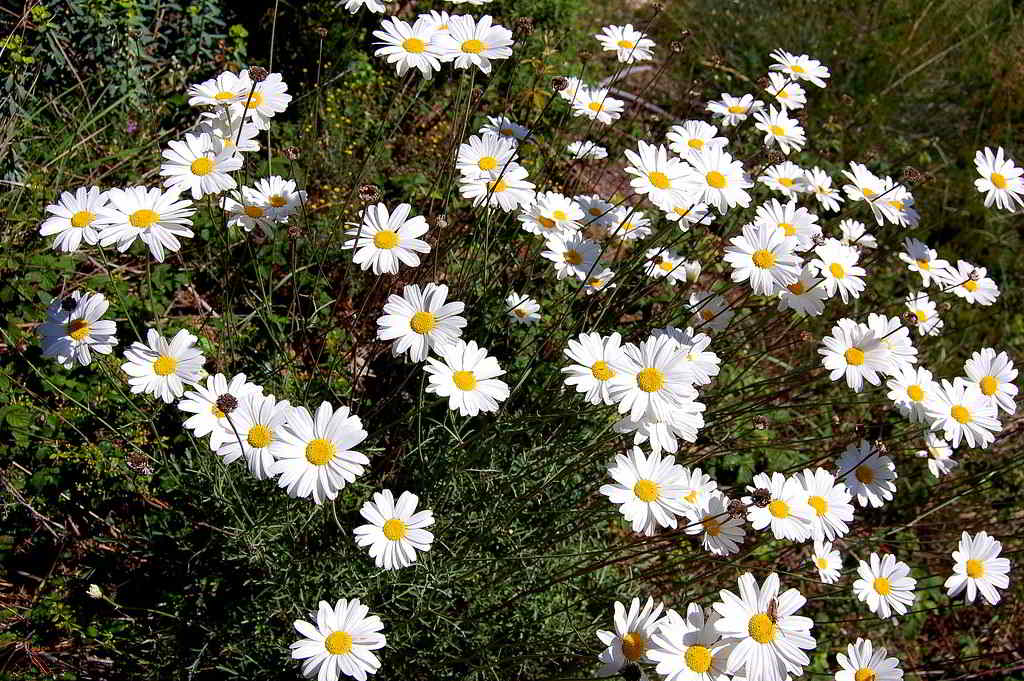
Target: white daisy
[[420, 320], [522, 309], [372, 5], [787, 178], [267, 99], [764, 257], [697, 487], [939, 455], [646, 490], [797, 224], [386, 239], [505, 127], [682, 423], [661, 178], [899, 205], [72, 218], [438, 19], [395, 531], [506, 188], [863, 661], [868, 187], [343, 638], [253, 430], [250, 212], [690, 649], [280, 197], [468, 377], [225, 89], [734, 110], [779, 128], [963, 413], [800, 67], [978, 568], [693, 136], [632, 636], [469, 42], [805, 295], [585, 149], [599, 281], [210, 405], [480, 155], [718, 180], [629, 224], [925, 312], [575, 256], [994, 375], [854, 351], [628, 44], [923, 260], [596, 211], [227, 132], [711, 312], [827, 561], [650, 379], [687, 214], [837, 265], [194, 165], [854, 233], [162, 369], [819, 183], [787, 512], [1001, 180], [593, 355], [552, 215], [702, 364], [895, 338], [885, 585], [597, 105], [868, 474], [73, 329], [721, 533], [410, 47], [573, 89], [830, 502], [787, 92], [909, 389], [662, 263], [970, 283], [154, 216]]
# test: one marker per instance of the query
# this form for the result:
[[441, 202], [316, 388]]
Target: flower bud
[[258, 74]]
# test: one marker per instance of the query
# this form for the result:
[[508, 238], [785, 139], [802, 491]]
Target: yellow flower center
[[819, 504], [715, 179], [422, 322], [786, 181], [625, 44], [975, 568], [854, 357], [560, 215], [821, 563], [712, 526], [787, 228], [737, 109], [778, 131], [634, 645], [595, 283], [779, 508], [915, 392], [320, 451], [78, 329], [998, 181], [659, 180], [988, 384], [796, 68], [278, 201], [921, 315], [82, 218], [782, 94], [695, 143], [394, 529], [520, 312], [414, 45], [596, 107], [259, 436], [666, 265], [960, 414], [971, 285], [698, 659], [339, 643], [763, 259], [473, 46], [646, 490], [601, 371], [143, 218], [837, 270], [164, 365], [256, 100], [864, 674], [497, 187], [596, 211], [487, 163], [923, 265], [868, 192], [691, 496], [464, 380], [254, 211], [202, 166], [650, 380], [707, 315], [882, 586], [797, 288], [385, 239], [217, 413], [573, 257], [865, 474], [897, 204], [681, 212], [224, 96], [546, 223], [761, 628]]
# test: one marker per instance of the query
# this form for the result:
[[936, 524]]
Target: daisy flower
[[597, 105], [867, 474], [574, 256], [661, 178], [978, 568], [505, 127], [162, 369], [721, 533], [253, 430], [819, 183], [372, 5], [868, 187], [469, 42], [787, 92], [507, 189], [650, 378], [837, 265], [279, 197], [963, 413], [385, 240], [694, 136], [970, 283], [585, 149], [552, 215], [632, 636], [854, 233], [227, 132], [599, 281], [225, 89], [830, 502], [596, 211], [628, 44], [438, 19], [925, 312], [481, 155], [73, 329], [690, 649], [343, 638], [250, 212], [939, 455], [697, 487], [898, 203], [994, 375], [683, 423], [629, 224], [923, 260], [863, 661], [395, 531], [768, 646], [410, 47], [787, 178], [154, 216], [316, 457], [267, 99], [420, 320], [573, 89], [788, 513], [72, 217], [687, 214], [800, 67], [885, 585], [805, 295], [854, 351], [210, 405], [467, 377], [764, 257], [710, 311], [895, 338], [662, 263], [797, 224], [593, 356], [718, 180], [701, 363], [693, 270], [827, 561], [734, 110], [1000, 180], [909, 389], [779, 128], [522, 308], [646, 490]]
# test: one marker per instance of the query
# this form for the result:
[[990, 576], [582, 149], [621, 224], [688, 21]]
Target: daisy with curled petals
[[898, 205], [697, 487], [805, 295], [693, 136], [372, 5], [253, 430], [863, 661], [963, 413], [420, 320], [386, 239], [683, 423], [395, 531], [162, 369], [970, 283], [687, 214], [597, 105], [573, 87], [628, 44], [227, 88], [599, 280], [632, 636], [763, 257], [659, 177], [210, 405], [923, 260], [438, 19], [703, 364], [316, 457], [779, 128], [787, 178], [926, 313], [409, 47], [830, 502], [522, 308], [279, 197], [629, 224], [819, 183], [711, 312], [194, 165], [787, 513], [868, 474], [734, 110], [585, 149], [855, 233], [593, 356], [249, 213], [787, 92], [827, 561], [689, 649], [596, 211], [909, 389], [646, 490], [505, 127], [469, 42], [71, 219], [468, 377], [506, 188], [796, 223], [895, 338], [939, 455], [262, 102], [481, 155], [721, 532], [978, 568], [800, 67], [718, 180], [552, 215], [994, 375], [662, 263], [837, 265], [650, 378], [854, 351], [340, 640], [1001, 180], [885, 585], [73, 329], [767, 645], [227, 132], [868, 187], [574, 256], [154, 216]]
